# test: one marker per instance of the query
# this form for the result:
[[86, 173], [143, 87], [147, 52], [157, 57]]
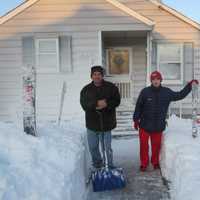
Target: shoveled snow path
[[140, 185]]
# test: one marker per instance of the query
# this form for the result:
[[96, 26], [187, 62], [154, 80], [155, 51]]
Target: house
[[64, 38]]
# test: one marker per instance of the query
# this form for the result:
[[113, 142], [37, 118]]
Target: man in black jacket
[[99, 100], [150, 116]]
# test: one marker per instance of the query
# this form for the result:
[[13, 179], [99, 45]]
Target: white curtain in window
[[47, 52], [170, 61], [170, 53], [47, 46]]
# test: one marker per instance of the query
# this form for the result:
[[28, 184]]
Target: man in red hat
[[150, 116]]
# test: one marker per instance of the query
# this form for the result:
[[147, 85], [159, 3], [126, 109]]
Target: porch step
[[124, 123], [124, 113], [124, 133]]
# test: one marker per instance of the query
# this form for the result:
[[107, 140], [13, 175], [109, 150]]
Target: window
[[170, 62], [47, 55]]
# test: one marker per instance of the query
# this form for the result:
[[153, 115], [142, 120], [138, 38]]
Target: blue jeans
[[94, 138]]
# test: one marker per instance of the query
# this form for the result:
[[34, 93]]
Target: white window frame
[[47, 70], [165, 81]]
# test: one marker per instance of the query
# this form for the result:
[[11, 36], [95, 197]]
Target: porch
[[125, 58]]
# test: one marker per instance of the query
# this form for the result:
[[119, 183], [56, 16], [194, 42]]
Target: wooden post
[[149, 55], [64, 88]]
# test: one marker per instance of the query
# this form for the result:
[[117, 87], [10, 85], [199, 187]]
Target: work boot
[[157, 166], [143, 168]]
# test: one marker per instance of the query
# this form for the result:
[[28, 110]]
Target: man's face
[[97, 77], [156, 82]]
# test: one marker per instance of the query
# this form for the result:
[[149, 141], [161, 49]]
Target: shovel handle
[[105, 159]]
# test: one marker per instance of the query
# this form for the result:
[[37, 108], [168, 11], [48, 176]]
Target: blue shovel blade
[[108, 179]]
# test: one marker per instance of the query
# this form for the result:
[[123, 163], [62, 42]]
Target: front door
[[119, 71]]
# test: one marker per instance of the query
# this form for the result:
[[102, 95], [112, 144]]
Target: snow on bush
[[180, 160], [47, 167]]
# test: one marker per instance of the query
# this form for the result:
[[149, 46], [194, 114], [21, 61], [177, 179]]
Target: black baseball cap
[[97, 68]]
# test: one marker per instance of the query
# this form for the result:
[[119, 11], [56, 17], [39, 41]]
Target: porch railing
[[124, 89]]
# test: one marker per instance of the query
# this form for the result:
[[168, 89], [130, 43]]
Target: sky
[[188, 7]]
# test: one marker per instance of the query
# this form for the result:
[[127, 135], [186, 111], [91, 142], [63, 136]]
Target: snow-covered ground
[[140, 185], [180, 160], [53, 165], [48, 167]]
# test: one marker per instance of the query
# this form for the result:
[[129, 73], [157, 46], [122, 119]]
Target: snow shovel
[[107, 178]]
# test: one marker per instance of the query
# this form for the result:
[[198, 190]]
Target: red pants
[[144, 147]]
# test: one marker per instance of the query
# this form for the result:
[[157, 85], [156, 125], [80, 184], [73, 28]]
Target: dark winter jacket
[[90, 94], [152, 106]]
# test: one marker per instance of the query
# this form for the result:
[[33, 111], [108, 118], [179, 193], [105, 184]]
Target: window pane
[[47, 61], [47, 46], [171, 71], [170, 52], [118, 61]]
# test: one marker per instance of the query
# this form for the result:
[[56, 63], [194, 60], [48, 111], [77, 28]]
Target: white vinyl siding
[[81, 21], [47, 55], [170, 63]]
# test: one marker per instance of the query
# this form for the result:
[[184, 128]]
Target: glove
[[193, 81], [136, 125]]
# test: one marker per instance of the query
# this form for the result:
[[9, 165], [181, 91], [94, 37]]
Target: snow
[[140, 186], [54, 165], [48, 167], [180, 160]]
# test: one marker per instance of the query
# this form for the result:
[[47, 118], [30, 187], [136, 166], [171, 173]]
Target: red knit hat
[[156, 75]]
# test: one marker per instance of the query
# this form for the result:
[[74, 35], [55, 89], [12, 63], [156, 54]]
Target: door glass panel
[[118, 61]]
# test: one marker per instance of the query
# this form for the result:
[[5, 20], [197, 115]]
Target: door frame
[[149, 56]]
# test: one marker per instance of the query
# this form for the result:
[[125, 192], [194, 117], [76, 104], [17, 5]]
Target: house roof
[[17, 10], [131, 12], [115, 3], [174, 12], [26, 4]]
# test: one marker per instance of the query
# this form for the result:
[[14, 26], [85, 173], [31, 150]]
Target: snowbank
[[180, 160], [48, 167]]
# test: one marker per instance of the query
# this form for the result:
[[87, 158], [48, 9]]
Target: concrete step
[[124, 123], [125, 128], [125, 133], [124, 113], [124, 117], [127, 121]]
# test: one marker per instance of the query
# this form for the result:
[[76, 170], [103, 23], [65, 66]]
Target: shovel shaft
[[105, 158]]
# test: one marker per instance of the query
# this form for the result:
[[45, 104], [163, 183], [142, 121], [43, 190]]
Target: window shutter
[[28, 51], [188, 59], [154, 57], [65, 54]]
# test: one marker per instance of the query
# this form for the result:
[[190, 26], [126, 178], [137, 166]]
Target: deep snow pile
[[48, 167], [180, 160]]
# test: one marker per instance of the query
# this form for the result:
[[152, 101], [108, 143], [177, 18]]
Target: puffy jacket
[[89, 96], [152, 106]]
